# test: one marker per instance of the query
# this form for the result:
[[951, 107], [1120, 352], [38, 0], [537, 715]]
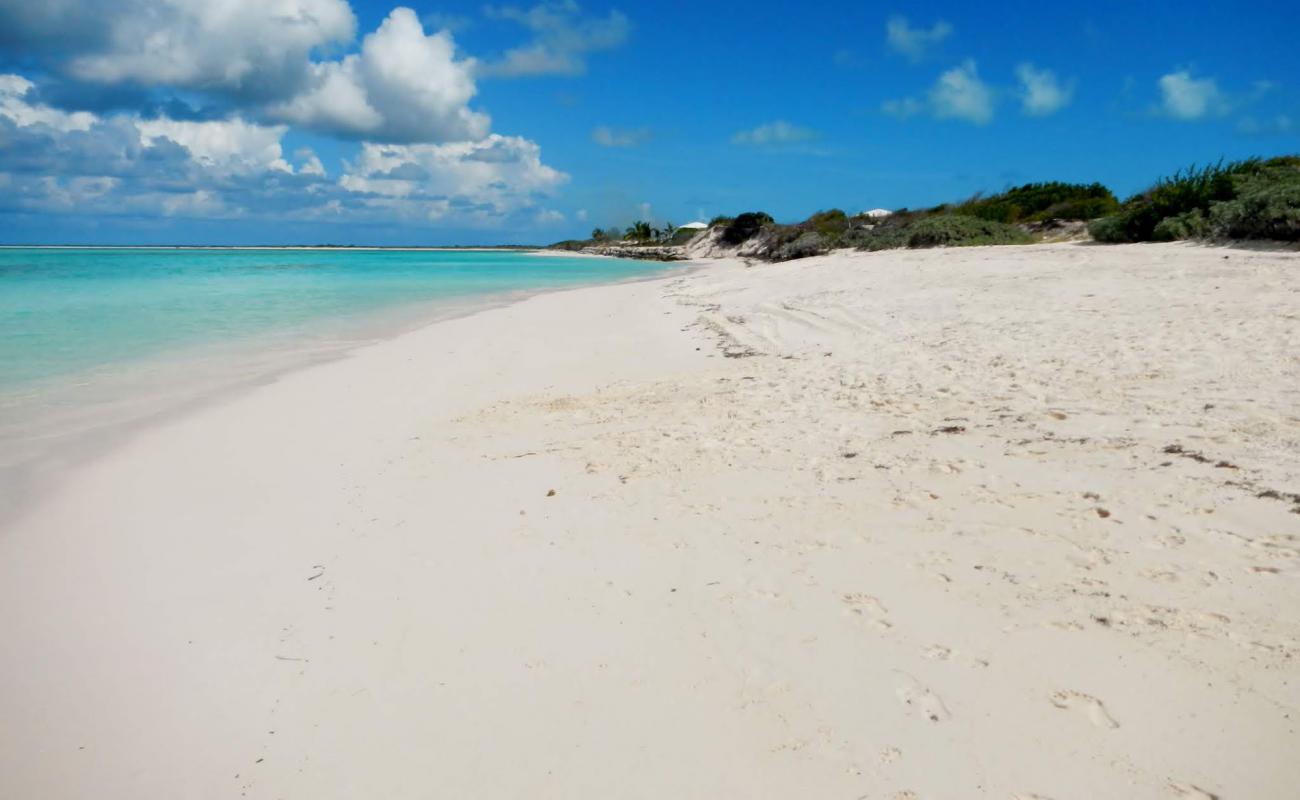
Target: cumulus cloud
[[485, 179], [256, 58], [562, 38], [403, 86], [618, 137], [1187, 98], [959, 93], [125, 164], [14, 90], [1041, 92], [914, 42], [223, 146], [243, 48], [774, 133]]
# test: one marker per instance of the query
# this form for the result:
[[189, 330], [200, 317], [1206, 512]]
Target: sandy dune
[[991, 522]]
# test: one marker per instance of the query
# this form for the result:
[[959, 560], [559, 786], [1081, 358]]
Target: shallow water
[[91, 339]]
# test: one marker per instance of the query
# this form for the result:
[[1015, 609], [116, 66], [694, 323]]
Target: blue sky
[[311, 121]]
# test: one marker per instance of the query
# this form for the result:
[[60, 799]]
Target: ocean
[[94, 339]]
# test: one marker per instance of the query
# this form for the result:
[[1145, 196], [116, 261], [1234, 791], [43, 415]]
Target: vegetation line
[[1251, 199]]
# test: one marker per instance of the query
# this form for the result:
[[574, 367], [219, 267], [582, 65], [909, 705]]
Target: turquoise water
[[69, 311], [95, 342]]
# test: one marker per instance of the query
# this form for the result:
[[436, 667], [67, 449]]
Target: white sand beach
[[1010, 522]]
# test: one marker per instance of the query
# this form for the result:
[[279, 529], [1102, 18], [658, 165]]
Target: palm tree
[[640, 231]]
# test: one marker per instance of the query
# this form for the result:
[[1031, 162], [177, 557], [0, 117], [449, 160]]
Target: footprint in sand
[[1088, 704], [1186, 791], [868, 606], [918, 698]]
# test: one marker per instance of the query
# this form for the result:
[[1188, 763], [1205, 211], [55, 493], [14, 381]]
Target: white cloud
[[549, 216], [310, 162], [774, 133], [960, 94], [491, 178], [580, 215], [1041, 92], [616, 137], [914, 42], [248, 47], [957, 94], [1187, 98], [261, 59], [125, 164], [222, 146], [13, 90], [562, 38], [403, 86]]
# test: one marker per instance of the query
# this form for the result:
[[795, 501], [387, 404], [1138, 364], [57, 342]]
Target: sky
[[367, 122]]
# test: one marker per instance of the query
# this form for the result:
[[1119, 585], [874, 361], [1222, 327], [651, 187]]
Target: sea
[[93, 341]]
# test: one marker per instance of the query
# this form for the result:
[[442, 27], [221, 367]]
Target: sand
[[991, 522]]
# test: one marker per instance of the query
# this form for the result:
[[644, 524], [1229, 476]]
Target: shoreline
[[924, 523], [80, 435]]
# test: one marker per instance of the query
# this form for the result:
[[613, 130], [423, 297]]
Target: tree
[[640, 231]]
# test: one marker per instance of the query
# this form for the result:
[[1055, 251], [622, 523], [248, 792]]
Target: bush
[[953, 230], [830, 224], [681, 237], [1240, 200], [881, 237], [805, 245], [1191, 225], [934, 230], [1266, 206], [1111, 230], [1192, 189], [743, 227], [1038, 202]]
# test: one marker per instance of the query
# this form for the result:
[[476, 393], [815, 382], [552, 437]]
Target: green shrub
[[881, 237], [1266, 205], [830, 224], [806, 244], [743, 227], [1189, 225], [934, 230], [721, 221], [1111, 230], [1239, 200], [1192, 189], [1037, 202], [953, 230], [681, 237]]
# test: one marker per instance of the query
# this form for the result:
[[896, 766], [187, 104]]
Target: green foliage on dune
[[1038, 202], [926, 229], [745, 226], [1250, 199]]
